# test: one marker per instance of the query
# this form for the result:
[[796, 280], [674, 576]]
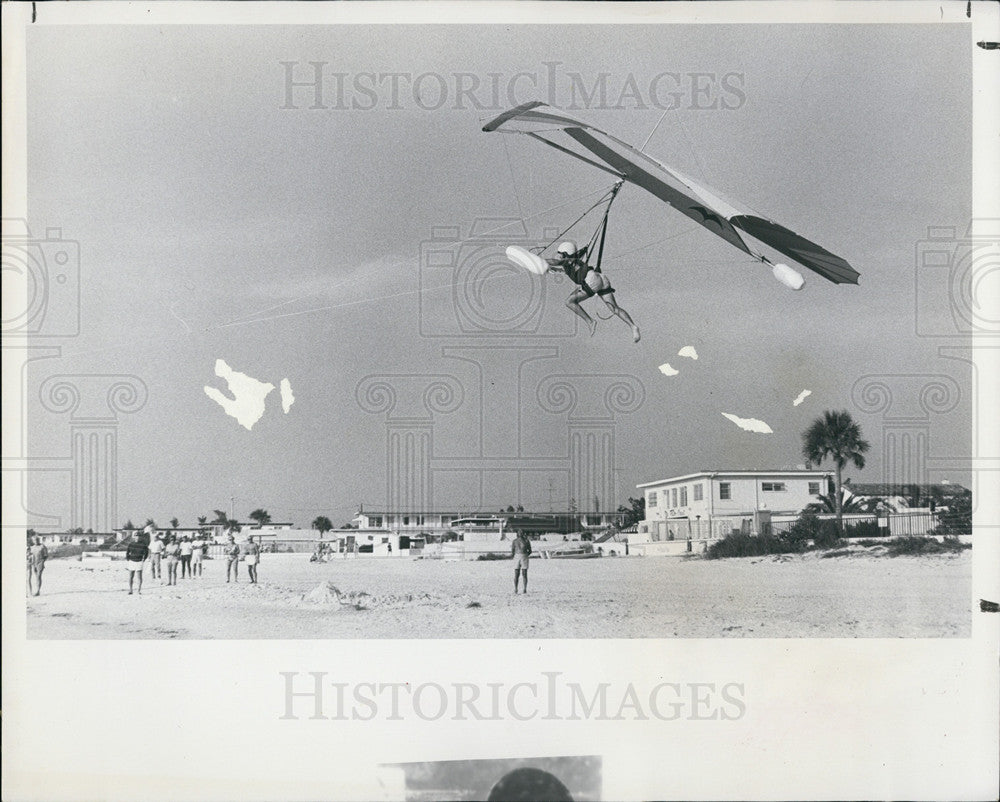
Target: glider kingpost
[[626, 163]]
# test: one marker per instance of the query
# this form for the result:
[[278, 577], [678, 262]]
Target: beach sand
[[856, 595]]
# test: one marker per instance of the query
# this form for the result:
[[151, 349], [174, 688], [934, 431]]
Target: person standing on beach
[[135, 556], [252, 553], [186, 551], [172, 551], [37, 555], [197, 552], [232, 559], [156, 557], [520, 550]]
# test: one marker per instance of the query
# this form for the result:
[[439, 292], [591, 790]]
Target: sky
[[218, 220]]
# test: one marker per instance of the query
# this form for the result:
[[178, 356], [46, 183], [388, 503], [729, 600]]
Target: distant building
[[72, 538], [907, 496], [530, 522]]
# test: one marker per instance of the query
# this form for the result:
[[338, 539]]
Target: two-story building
[[698, 507]]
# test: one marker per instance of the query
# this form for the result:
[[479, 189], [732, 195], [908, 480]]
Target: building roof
[[739, 474]]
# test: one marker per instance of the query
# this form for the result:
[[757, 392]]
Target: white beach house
[[684, 512]]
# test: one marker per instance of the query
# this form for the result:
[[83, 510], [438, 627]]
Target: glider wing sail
[[608, 153]]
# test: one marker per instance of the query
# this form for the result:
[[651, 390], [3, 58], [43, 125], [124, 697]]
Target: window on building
[[406, 520], [772, 487], [375, 521], [593, 520], [698, 490], [651, 499], [684, 496], [673, 497], [814, 488], [725, 491]]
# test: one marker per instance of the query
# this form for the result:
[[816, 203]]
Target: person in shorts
[[252, 557], [156, 557], [589, 282], [37, 555], [520, 550], [172, 552], [186, 552], [135, 557], [197, 554], [232, 553]]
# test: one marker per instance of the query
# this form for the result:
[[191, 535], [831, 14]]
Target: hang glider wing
[[610, 154]]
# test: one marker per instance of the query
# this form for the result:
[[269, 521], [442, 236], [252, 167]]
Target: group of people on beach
[[186, 553]]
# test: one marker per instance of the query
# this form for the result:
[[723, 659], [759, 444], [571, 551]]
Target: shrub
[[742, 545], [925, 545], [490, 555], [809, 527], [64, 551]]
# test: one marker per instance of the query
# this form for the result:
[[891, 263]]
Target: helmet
[[568, 248]]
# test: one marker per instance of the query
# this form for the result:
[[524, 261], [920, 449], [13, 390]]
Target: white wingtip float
[[629, 164], [528, 260]]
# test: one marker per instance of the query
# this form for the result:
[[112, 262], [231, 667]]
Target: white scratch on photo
[[749, 424], [287, 399], [247, 403], [802, 397]]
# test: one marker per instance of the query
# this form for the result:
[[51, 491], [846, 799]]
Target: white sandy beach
[[860, 595]]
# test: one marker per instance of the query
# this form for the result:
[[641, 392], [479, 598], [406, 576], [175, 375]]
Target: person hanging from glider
[[590, 281], [578, 266]]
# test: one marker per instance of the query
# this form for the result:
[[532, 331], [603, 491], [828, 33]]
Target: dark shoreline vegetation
[[809, 533]]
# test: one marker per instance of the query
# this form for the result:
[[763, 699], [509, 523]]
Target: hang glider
[[608, 153]]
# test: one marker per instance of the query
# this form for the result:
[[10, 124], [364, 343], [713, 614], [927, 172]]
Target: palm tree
[[261, 516], [202, 520], [175, 523], [837, 437], [323, 524]]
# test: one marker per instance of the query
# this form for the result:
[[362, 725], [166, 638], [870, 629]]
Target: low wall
[[669, 548]]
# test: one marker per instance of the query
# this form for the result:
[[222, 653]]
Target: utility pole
[[232, 508]]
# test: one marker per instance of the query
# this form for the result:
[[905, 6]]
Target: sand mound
[[324, 593]]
